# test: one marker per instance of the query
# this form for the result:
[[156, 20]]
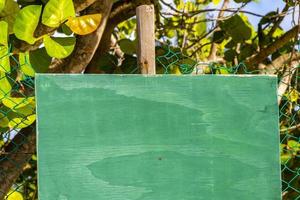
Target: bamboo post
[[146, 38]]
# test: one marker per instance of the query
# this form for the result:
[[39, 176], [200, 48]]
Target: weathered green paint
[[112, 137]]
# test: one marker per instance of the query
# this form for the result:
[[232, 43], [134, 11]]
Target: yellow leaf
[[293, 95], [15, 196], [16, 103], [175, 70], [85, 24], [23, 122], [285, 158]]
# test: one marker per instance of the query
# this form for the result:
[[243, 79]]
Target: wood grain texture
[[128, 137], [146, 38]]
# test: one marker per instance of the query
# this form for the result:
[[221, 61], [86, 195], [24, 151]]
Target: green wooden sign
[[130, 137]]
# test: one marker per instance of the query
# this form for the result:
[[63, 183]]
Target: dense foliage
[[89, 36]]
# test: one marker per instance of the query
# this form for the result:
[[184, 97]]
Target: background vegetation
[[98, 36]]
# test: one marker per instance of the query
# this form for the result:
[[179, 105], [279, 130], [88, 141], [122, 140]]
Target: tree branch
[[279, 20], [264, 53], [121, 11], [86, 45], [286, 80], [214, 46], [279, 63], [14, 157]]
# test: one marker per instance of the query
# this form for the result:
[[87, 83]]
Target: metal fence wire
[[17, 119]]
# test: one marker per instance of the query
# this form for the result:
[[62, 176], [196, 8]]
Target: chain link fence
[[17, 119]]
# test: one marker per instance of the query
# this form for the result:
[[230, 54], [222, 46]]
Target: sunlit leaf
[[293, 96], [4, 59], [17, 102], [15, 195], [5, 86], [25, 65], [293, 145], [57, 11], [4, 51], [26, 23], [175, 70], [216, 2], [278, 32], [85, 24], [3, 33], [222, 71], [59, 47], [2, 4], [21, 122], [284, 158]]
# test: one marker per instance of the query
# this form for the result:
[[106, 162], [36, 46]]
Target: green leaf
[[107, 63], [25, 65], [5, 86], [246, 51], [268, 18], [36, 61], [29, 109], [230, 44], [21, 122], [128, 46], [129, 65], [59, 47], [57, 11], [186, 65], [39, 60], [26, 23], [65, 29], [32, 62], [9, 13], [3, 121], [237, 28], [218, 37], [230, 54]]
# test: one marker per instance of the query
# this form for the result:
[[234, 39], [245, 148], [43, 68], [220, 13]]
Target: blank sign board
[[131, 137]]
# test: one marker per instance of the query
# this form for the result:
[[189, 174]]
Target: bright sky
[[265, 6], [261, 7]]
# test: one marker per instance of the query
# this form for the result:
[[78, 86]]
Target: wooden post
[[146, 38]]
